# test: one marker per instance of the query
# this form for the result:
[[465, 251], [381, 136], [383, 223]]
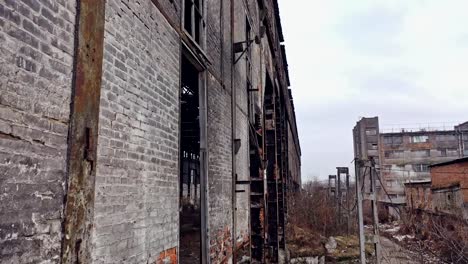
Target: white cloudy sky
[[405, 61]]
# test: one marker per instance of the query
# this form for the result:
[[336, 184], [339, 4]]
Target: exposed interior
[[189, 185]]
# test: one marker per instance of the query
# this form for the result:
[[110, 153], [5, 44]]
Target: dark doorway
[[189, 186]]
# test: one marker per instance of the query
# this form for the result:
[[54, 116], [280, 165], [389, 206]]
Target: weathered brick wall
[[242, 126], [214, 38], [219, 171], [449, 201], [136, 205], [136, 211], [448, 175], [36, 58], [243, 173], [219, 123], [418, 196], [294, 158], [171, 8]]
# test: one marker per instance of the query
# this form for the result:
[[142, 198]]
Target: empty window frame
[[448, 152], [446, 138], [400, 167], [387, 140], [443, 152], [372, 146], [194, 19], [393, 140], [390, 183], [421, 153], [371, 132], [465, 144], [387, 168], [419, 139], [421, 167], [394, 154]]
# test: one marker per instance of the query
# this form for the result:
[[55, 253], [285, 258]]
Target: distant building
[[366, 145], [404, 155]]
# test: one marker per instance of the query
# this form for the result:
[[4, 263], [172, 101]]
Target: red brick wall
[[419, 196], [167, 256], [447, 175]]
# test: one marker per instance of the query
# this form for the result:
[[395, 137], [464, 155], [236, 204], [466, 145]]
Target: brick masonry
[[136, 210], [450, 187], [448, 175], [36, 57], [294, 160], [136, 207]]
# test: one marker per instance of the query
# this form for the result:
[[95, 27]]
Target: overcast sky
[[405, 61]]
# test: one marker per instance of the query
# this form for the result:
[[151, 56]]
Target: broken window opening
[[194, 22], [190, 184], [419, 139]]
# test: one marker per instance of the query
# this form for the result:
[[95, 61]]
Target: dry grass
[[442, 236], [312, 219]]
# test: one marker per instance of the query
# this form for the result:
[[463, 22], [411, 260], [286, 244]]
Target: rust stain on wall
[[89, 38]]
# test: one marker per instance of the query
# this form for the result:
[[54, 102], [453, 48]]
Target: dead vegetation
[[431, 236], [312, 221]]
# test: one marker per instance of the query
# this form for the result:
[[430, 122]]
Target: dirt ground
[[392, 253]]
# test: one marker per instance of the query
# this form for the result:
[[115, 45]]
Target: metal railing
[[419, 127]]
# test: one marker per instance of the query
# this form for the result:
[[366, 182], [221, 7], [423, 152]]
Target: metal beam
[[83, 131]]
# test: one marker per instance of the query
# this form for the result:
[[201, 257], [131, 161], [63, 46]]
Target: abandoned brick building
[[149, 131], [446, 193], [404, 155]]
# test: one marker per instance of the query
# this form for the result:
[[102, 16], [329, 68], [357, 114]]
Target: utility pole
[[362, 251], [338, 200], [373, 198], [348, 215]]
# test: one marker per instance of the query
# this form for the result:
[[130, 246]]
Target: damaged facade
[[151, 131], [405, 155]]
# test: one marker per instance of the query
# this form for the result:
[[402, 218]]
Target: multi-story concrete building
[[405, 155], [150, 131], [366, 148]]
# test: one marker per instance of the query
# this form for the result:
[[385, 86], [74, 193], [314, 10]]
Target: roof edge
[[465, 159]]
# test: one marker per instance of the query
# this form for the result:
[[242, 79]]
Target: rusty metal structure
[[83, 133]]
